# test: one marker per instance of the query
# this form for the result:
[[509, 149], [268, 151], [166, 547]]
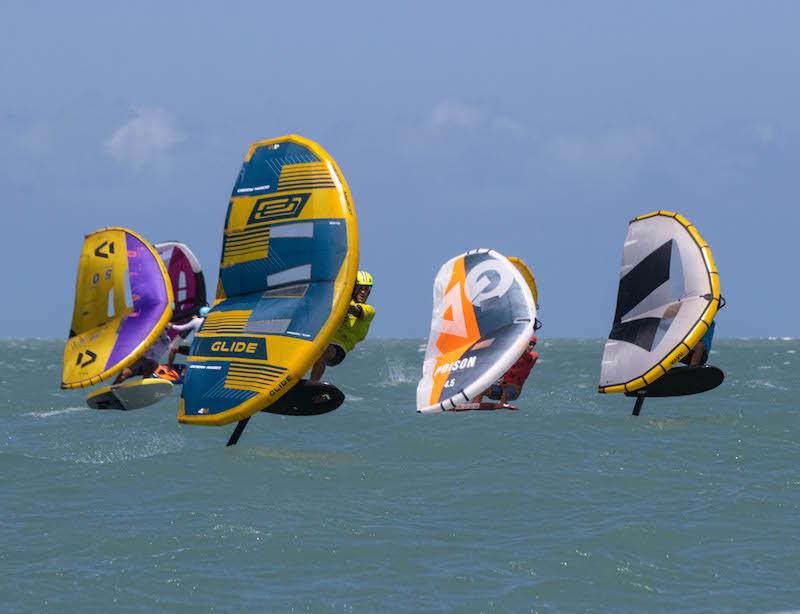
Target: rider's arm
[[184, 327], [356, 310], [362, 311]]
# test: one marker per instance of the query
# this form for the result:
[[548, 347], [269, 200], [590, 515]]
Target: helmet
[[533, 340], [363, 279], [204, 311]]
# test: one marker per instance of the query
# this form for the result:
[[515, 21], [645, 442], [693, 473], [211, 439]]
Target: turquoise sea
[[569, 504]]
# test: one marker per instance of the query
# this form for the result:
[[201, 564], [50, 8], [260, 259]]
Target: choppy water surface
[[568, 504]]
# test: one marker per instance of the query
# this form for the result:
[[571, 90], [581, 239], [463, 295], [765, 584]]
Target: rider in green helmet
[[352, 330]]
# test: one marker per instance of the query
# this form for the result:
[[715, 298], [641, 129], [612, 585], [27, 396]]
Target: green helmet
[[363, 279]]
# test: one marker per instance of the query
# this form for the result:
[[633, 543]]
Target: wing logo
[[90, 356], [102, 254], [486, 281], [453, 322], [231, 348], [457, 325], [280, 207]]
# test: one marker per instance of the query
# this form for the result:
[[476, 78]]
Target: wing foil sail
[[123, 300], [483, 317], [287, 271], [187, 279], [186, 276], [528, 275], [668, 296]]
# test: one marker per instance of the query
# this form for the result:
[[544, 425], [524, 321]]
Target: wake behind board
[[680, 381], [129, 395], [307, 399], [482, 407]]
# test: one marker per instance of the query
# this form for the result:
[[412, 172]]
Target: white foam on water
[[397, 374], [55, 412], [130, 450], [233, 529], [763, 383]]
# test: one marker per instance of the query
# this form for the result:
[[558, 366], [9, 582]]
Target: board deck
[[681, 381], [482, 407], [133, 394], [308, 399]]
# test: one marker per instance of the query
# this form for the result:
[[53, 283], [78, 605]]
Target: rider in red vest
[[510, 385]]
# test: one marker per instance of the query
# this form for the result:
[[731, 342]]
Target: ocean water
[[569, 504]]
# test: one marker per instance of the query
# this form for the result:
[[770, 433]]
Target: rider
[[193, 325], [510, 385], [699, 353], [352, 330], [147, 364]]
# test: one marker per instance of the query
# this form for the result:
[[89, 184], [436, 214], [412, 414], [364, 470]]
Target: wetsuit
[[521, 369], [352, 330], [149, 362], [515, 377], [706, 340]]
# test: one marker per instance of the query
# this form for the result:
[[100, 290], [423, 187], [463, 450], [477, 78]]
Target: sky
[[538, 129]]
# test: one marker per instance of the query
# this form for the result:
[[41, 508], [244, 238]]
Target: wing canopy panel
[[529, 278], [186, 276], [668, 296]]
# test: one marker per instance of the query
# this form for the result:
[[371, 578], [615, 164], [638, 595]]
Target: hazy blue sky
[[535, 128]]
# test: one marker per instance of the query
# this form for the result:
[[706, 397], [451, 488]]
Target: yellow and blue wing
[[289, 261]]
